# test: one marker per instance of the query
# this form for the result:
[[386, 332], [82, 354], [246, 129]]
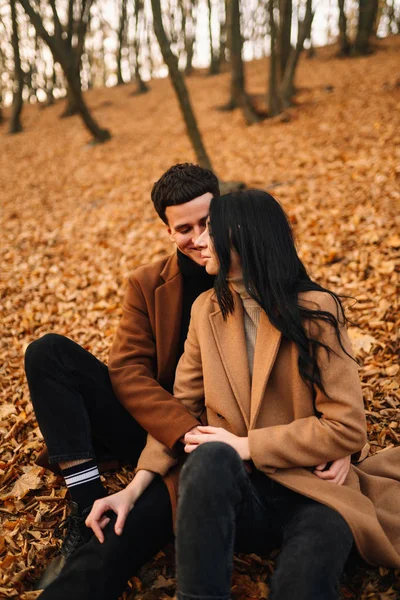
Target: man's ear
[[170, 234]]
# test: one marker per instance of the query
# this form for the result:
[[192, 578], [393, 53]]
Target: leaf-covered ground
[[76, 219]]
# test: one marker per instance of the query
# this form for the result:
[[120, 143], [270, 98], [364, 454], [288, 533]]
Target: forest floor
[[76, 219]]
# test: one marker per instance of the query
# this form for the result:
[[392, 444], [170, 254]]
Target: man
[[88, 412]]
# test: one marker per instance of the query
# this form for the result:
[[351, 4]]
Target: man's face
[[186, 222]]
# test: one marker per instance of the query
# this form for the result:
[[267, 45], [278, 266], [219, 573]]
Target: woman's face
[[205, 245]]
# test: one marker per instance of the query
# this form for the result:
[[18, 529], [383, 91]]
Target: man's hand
[[206, 433], [336, 473], [121, 503]]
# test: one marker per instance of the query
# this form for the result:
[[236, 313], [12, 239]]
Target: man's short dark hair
[[182, 183]]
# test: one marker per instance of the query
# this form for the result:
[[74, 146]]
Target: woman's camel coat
[[277, 411]]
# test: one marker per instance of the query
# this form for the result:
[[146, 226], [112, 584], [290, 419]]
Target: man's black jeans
[[221, 509], [80, 417], [75, 406]]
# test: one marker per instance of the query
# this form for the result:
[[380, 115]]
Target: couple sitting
[[265, 414]]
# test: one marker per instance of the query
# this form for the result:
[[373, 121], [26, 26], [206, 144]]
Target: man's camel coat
[[291, 426]]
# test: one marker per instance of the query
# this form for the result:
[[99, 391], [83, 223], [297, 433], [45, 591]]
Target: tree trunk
[[142, 87], [366, 19], [214, 62], [71, 108], [74, 83], [344, 43], [283, 42], [239, 97], [222, 34], [15, 121], [188, 37], [68, 59], [274, 105], [304, 31], [180, 88], [121, 41]]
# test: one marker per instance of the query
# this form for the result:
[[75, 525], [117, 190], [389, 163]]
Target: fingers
[[337, 473], [192, 438], [321, 467], [208, 429], [104, 521], [327, 475], [121, 518], [97, 520], [190, 447]]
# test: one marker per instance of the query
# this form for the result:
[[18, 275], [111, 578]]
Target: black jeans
[[75, 406], [80, 417], [221, 509]]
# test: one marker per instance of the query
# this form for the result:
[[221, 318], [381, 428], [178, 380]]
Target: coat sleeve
[[132, 368], [189, 392], [338, 430]]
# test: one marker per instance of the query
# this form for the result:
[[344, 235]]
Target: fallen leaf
[[32, 480], [361, 341]]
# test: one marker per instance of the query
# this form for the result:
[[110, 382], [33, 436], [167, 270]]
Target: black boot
[[74, 534]]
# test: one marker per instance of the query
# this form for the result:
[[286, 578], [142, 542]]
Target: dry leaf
[[32, 480], [360, 341]]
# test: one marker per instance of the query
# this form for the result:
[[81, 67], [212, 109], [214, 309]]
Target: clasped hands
[[336, 473], [122, 502]]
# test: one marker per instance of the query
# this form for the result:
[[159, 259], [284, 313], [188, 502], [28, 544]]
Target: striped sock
[[83, 482]]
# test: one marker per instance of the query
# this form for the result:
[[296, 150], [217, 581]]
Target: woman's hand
[[336, 473], [217, 434], [121, 503]]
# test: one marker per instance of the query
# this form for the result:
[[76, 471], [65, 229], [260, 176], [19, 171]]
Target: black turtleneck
[[196, 280]]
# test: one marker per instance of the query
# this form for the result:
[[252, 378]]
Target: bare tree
[[69, 58], [274, 79], [281, 84], [284, 33], [139, 17], [214, 60], [79, 28], [188, 27], [238, 94], [179, 86], [366, 19], [344, 43], [15, 121], [121, 40]]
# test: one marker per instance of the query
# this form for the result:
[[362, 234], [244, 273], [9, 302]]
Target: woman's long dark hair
[[256, 226]]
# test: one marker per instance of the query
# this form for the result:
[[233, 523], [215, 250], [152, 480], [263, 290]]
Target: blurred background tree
[[52, 50]]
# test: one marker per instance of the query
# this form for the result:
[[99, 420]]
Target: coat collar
[[168, 311], [171, 268], [231, 342]]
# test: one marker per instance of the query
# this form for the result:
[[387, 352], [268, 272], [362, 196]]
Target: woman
[[268, 363]]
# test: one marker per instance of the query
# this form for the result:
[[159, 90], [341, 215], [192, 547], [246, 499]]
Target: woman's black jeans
[[77, 411], [221, 509]]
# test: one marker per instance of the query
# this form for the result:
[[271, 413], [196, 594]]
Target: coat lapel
[[266, 349], [231, 343], [168, 310]]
